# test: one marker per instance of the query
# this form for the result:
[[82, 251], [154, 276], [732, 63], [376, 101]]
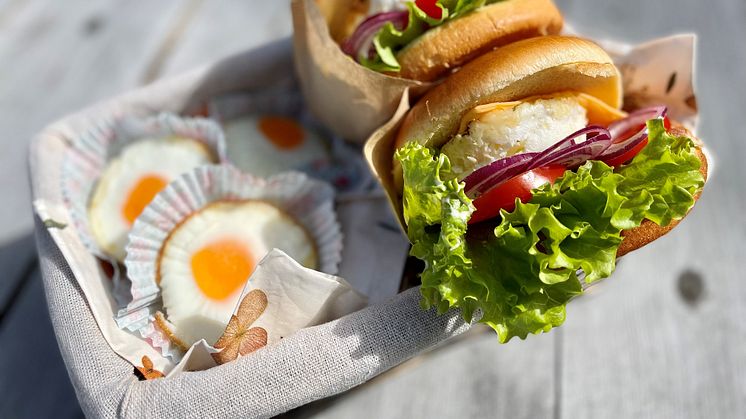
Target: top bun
[[532, 67], [437, 51]]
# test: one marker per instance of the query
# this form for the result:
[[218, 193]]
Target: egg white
[[528, 127], [259, 225], [165, 157], [252, 152]]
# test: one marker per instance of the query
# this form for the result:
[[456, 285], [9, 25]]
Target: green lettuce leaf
[[389, 40], [521, 273]]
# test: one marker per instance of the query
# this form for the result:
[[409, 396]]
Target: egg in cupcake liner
[[218, 222], [111, 170], [271, 132]]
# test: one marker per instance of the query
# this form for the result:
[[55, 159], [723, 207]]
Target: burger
[[430, 38], [520, 181]]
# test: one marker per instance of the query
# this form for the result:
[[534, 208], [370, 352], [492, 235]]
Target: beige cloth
[[314, 363]]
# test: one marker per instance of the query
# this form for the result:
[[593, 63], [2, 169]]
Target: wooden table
[[663, 338]]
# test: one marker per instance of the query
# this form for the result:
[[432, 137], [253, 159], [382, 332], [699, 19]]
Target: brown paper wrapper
[[347, 97], [379, 151]]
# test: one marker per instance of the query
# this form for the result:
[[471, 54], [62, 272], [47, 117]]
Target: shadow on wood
[[33, 378]]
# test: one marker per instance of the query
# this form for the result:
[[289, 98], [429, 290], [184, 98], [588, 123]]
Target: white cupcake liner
[[344, 167], [89, 154], [308, 201]]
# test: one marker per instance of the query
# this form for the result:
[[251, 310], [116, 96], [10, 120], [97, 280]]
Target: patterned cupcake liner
[[309, 202], [89, 154], [343, 167]]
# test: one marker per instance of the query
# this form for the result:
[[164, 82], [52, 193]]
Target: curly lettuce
[[389, 40], [521, 273]]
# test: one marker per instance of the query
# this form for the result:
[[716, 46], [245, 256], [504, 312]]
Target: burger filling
[[502, 132], [554, 218]]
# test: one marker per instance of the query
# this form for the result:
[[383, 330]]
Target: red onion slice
[[638, 117], [495, 173], [600, 144], [622, 127], [574, 156], [358, 45], [571, 154], [624, 146]]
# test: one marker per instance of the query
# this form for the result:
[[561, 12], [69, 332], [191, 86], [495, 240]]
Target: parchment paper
[[297, 297], [350, 99]]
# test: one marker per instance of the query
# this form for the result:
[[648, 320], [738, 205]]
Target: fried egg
[[206, 261], [267, 145], [132, 179], [528, 127]]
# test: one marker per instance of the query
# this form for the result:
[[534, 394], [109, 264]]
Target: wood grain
[[58, 57], [226, 27], [33, 378], [471, 377], [664, 336]]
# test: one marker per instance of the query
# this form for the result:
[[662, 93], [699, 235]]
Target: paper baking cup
[[342, 166], [309, 202], [89, 154]]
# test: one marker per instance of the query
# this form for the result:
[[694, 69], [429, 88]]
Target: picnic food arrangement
[[519, 160]]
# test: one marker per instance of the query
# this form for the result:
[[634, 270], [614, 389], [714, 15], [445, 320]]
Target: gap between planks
[[166, 49]]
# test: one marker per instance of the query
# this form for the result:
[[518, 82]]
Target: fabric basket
[[312, 364]]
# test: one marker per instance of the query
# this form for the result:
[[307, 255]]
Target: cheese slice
[[597, 111]]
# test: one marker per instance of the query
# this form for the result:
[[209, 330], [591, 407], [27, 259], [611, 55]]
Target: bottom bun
[[649, 231]]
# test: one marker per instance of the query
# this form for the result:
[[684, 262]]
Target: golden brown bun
[[648, 231], [343, 16], [531, 67], [437, 51]]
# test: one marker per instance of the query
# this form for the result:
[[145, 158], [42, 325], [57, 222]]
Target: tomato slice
[[430, 8], [489, 204], [631, 153]]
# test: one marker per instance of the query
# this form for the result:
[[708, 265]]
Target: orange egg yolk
[[140, 196], [221, 267], [284, 133]]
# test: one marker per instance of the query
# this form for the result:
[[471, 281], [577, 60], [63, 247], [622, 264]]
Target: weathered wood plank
[[665, 337], [634, 347], [10, 8], [58, 57], [648, 342], [16, 260], [225, 27], [33, 379], [471, 377]]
